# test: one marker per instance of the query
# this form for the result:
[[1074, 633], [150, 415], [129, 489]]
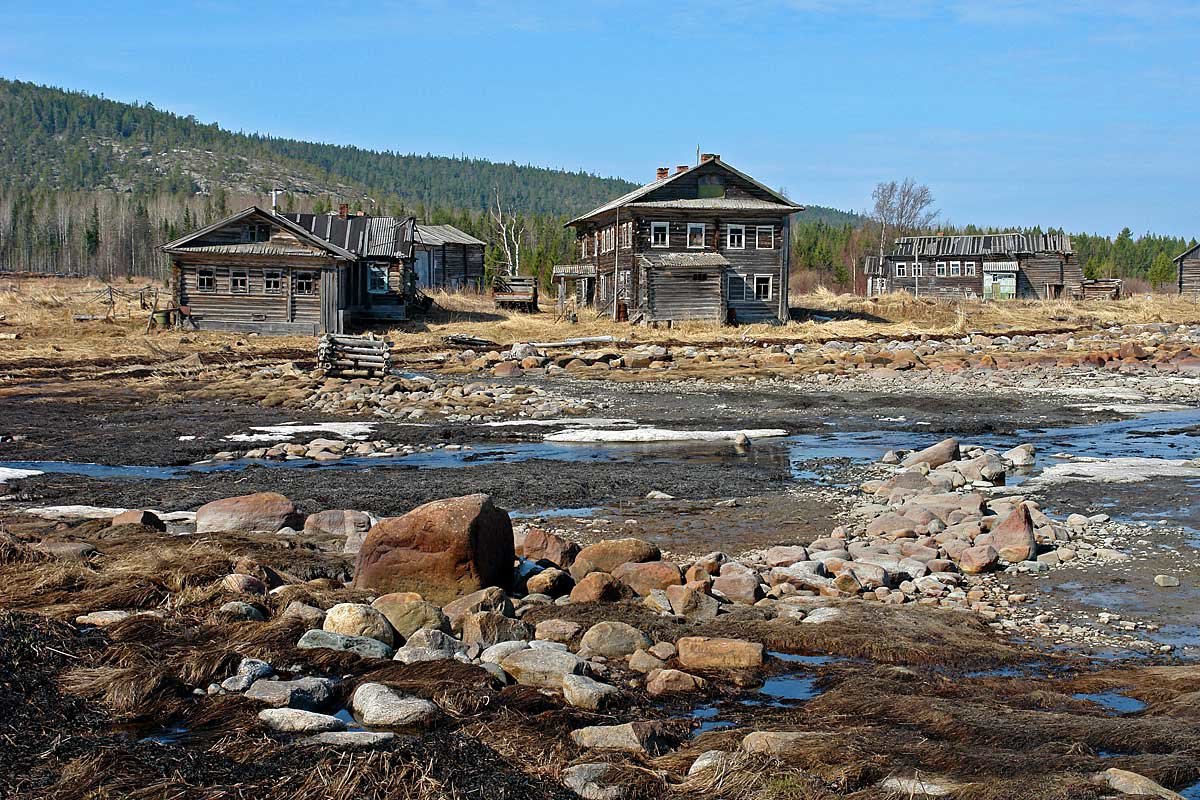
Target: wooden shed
[[1187, 266], [260, 271], [447, 258]]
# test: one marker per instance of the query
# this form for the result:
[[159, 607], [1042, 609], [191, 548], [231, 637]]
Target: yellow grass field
[[38, 322]]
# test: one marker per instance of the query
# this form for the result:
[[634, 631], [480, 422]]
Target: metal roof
[[717, 204], [444, 234], [251, 249], [982, 244], [628, 198], [275, 219], [705, 259], [361, 235]]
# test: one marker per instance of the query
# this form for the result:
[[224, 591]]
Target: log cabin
[[264, 272], [705, 242], [446, 258], [996, 266], [1187, 266]]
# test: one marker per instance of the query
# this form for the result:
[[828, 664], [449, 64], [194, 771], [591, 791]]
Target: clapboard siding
[[1189, 275], [223, 308], [685, 294]]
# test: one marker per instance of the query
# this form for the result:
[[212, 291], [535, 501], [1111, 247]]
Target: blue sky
[[1051, 112]]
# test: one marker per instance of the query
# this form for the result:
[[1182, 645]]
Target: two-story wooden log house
[[997, 266], [706, 242]]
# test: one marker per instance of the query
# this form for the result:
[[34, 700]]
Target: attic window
[[710, 186], [257, 233]]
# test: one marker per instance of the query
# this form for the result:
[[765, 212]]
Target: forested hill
[[77, 141]]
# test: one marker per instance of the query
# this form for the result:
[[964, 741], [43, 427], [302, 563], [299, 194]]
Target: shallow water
[[1113, 701], [779, 691]]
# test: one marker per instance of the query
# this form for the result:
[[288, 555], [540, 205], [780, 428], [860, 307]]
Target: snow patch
[[100, 512], [188, 438], [639, 435], [577, 422], [1133, 409], [275, 433], [12, 474], [1117, 470]]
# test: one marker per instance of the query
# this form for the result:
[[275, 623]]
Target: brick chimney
[[343, 210], [709, 157], [680, 168], [661, 173]]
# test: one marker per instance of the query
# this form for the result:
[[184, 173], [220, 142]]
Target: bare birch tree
[[903, 207], [512, 232]]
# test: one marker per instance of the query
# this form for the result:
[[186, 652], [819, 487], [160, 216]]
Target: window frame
[[955, 269], [901, 269], [918, 270], [373, 268], [239, 275], [660, 225], [941, 269], [753, 287], [758, 231], [275, 275], [211, 274], [969, 269], [741, 230], [703, 226], [302, 275]]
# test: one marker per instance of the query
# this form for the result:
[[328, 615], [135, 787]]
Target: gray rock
[[239, 610], [250, 670], [613, 640], [1166, 581], [307, 693], [360, 645], [498, 652], [349, 740], [312, 616], [583, 692], [709, 759], [819, 615], [595, 781], [632, 737], [294, 720], [544, 669], [380, 706]]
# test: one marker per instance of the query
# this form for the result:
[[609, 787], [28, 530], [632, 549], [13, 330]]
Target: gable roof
[[636, 194], [1186, 253], [361, 235], [444, 234], [259, 248], [982, 244]]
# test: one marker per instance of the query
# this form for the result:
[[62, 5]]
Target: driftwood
[[576, 342], [466, 340], [339, 353]]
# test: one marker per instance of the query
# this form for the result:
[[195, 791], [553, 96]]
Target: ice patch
[[577, 422], [275, 433], [12, 474], [188, 438], [1133, 409], [1117, 470], [640, 435], [1098, 392], [100, 512]]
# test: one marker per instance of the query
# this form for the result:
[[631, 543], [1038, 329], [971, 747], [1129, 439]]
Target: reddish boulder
[[540, 545], [1014, 537], [596, 587], [265, 511], [145, 518], [646, 576], [739, 587], [350, 526], [703, 652], [974, 560], [943, 452], [608, 555], [443, 550]]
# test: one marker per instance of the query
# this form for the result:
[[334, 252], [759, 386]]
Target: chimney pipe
[[343, 210], [680, 168], [709, 157], [661, 173]]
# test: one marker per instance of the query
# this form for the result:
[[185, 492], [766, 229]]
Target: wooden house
[[446, 258], [702, 243], [304, 274], [1187, 266], [992, 266]]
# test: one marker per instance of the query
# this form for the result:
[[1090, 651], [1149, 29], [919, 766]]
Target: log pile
[[337, 353]]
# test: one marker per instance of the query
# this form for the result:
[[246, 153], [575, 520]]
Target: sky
[[1082, 114]]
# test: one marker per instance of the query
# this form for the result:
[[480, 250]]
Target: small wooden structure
[[1100, 289], [516, 291], [1187, 265], [337, 353], [575, 282], [446, 258], [995, 266]]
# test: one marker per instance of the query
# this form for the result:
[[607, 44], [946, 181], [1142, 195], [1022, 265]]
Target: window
[[969, 268], [699, 276], [955, 269], [206, 280], [735, 237], [695, 235], [941, 269], [306, 283], [660, 234], [762, 287], [239, 280], [901, 269], [596, 243], [272, 282], [583, 247], [377, 278], [764, 237], [918, 270]]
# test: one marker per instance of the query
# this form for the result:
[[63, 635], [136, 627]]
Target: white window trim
[[665, 226], [372, 270], [918, 270], [969, 268], [729, 245], [268, 274], [758, 229], [941, 269], [752, 287], [212, 275], [244, 274], [703, 234], [314, 279], [901, 269], [955, 269]]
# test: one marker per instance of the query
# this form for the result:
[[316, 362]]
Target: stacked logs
[[337, 353]]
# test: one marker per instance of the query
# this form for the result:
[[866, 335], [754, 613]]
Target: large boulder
[[609, 554], [1014, 538], [379, 706], [543, 669], [489, 599], [596, 587], [703, 652], [644, 577], [349, 526], [294, 720], [541, 545], [641, 736], [359, 619], [409, 616], [613, 640], [307, 693], [444, 549], [943, 452], [265, 511], [974, 560], [1131, 783]]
